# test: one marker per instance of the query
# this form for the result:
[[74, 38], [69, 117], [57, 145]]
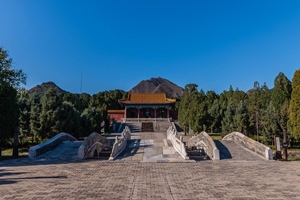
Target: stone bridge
[[234, 146], [169, 146]]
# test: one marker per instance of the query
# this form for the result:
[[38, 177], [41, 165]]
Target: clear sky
[[116, 44]]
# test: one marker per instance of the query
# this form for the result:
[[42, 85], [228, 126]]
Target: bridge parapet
[[258, 148], [93, 142], [120, 144], [204, 141], [48, 145], [177, 143]]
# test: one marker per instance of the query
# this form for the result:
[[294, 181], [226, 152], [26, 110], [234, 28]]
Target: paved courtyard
[[148, 169], [94, 179]]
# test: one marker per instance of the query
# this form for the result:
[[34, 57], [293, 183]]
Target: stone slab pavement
[[94, 179], [150, 147]]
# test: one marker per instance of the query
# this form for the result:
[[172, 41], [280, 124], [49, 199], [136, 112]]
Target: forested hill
[[41, 89], [158, 85]]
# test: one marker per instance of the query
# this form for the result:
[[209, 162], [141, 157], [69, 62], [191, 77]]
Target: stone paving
[[55, 177], [232, 151], [150, 147], [94, 179]]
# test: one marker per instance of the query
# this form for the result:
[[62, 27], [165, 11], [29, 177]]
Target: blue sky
[[116, 44]]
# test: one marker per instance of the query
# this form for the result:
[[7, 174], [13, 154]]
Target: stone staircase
[[161, 127], [134, 126], [147, 127]]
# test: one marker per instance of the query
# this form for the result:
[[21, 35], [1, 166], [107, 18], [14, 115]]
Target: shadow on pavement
[[224, 152]]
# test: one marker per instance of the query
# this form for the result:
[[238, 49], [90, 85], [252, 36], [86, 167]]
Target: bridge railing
[[48, 145], [204, 141], [120, 144], [259, 148], [93, 142], [177, 143]]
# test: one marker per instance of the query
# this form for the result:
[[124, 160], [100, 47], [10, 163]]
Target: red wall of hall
[[117, 116]]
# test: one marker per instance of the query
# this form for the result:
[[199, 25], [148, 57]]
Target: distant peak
[[158, 85]]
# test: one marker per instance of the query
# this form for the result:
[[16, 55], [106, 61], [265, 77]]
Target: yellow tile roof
[[138, 98]]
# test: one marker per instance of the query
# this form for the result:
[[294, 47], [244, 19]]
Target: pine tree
[[294, 116], [35, 113], [9, 113], [24, 119], [215, 116], [184, 113], [91, 119], [69, 119], [10, 80], [281, 95], [228, 121], [198, 112], [49, 118], [242, 117]]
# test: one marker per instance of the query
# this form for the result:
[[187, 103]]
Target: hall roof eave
[[147, 99]]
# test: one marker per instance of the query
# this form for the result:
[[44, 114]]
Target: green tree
[[91, 119], [242, 117], [50, 114], [69, 119], [215, 116], [269, 124], [228, 121], [24, 119], [9, 113], [10, 80], [255, 107], [35, 113], [281, 95], [294, 117], [198, 112], [185, 107]]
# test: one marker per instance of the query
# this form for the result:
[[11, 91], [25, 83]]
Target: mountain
[[41, 89], [158, 85]]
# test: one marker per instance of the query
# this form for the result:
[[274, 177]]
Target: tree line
[[260, 112], [36, 117], [42, 117]]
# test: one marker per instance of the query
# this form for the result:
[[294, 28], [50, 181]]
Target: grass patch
[[216, 136], [294, 154], [7, 152]]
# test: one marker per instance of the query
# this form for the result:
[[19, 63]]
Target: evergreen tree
[[198, 112], [242, 117], [281, 95], [294, 116], [228, 122], [10, 80], [215, 116], [255, 108], [9, 113], [184, 113], [24, 119], [50, 114], [91, 119], [69, 119], [269, 123], [35, 113]]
